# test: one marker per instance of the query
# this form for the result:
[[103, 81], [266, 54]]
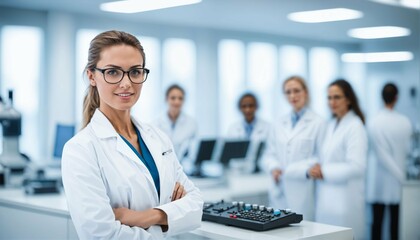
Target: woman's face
[[337, 101], [175, 100], [123, 95], [248, 108], [296, 94]]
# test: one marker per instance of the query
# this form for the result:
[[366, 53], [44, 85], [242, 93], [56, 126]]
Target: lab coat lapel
[[300, 125], [155, 147], [286, 124], [124, 149], [104, 130]]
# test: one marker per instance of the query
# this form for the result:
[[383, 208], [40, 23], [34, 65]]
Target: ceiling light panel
[[377, 57], [379, 32], [325, 15], [135, 6]]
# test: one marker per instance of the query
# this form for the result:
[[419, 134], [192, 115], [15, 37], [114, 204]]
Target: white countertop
[[303, 230], [56, 203]]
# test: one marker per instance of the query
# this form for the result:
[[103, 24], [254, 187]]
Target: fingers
[[178, 192], [276, 173]]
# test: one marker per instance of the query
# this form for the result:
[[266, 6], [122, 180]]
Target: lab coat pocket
[[306, 147]]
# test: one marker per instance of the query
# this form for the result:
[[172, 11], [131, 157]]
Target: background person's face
[[337, 101], [175, 100], [296, 95], [248, 108]]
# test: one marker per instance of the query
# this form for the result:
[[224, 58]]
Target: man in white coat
[[250, 127], [390, 134]]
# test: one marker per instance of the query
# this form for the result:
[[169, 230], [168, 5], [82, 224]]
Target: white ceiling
[[261, 16]]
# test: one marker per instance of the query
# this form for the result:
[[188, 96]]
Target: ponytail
[[90, 104]]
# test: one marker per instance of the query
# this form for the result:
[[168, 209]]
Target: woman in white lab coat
[[180, 127], [340, 175], [250, 127], [121, 177], [292, 148]]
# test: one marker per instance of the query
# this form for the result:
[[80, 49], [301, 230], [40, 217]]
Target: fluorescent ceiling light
[[404, 3], [377, 57], [325, 15], [134, 6], [411, 3], [378, 32]]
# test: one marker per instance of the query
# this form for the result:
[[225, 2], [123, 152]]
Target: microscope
[[12, 162]]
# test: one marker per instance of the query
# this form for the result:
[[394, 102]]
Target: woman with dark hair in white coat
[[250, 127], [340, 175], [121, 177], [292, 148], [180, 127]]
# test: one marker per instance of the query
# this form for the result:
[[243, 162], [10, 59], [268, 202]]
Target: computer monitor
[[205, 150], [63, 133], [258, 155], [234, 149]]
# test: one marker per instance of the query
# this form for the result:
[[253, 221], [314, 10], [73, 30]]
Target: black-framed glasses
[[116, 75]]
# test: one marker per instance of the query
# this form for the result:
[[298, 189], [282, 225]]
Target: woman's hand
[[178, 192], [276, 174], [143, 219], [316, 172]]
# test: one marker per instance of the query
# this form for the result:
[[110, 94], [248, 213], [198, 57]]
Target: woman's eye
[[135, 72], [112, 72]]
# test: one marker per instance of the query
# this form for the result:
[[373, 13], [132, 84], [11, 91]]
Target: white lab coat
[[294, 151], [182, 135], [340, 196], [101, 172], [259, 134], [390, 134]]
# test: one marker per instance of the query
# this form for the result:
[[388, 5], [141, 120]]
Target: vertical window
[[83, 38], [292, 61], [262, 75], [20, 71], [179, 66], [149, 105], [355, 74], [323, 70], [231, 81]]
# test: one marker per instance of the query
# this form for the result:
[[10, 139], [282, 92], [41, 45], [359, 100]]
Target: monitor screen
[[233, 149], [205, 150], [62, 135], [258, 155]]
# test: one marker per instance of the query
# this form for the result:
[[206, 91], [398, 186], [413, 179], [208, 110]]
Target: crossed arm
[[149, 217]]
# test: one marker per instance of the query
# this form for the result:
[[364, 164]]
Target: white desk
[[46, 217], [410, 210]]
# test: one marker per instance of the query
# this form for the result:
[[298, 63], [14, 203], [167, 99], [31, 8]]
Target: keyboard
[[249, 216]]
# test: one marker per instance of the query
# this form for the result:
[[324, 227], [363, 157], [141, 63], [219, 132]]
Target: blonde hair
[[97, 45]]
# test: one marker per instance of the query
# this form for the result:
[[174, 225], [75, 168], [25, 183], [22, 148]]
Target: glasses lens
[[137, 75], [113, 75]]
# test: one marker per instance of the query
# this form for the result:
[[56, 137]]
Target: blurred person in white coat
[[390, 134], [250, 126], [292, 149], [179, 126], [340, 175], [121, 177]]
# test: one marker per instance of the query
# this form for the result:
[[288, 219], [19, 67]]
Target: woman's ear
[[91, 78]]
